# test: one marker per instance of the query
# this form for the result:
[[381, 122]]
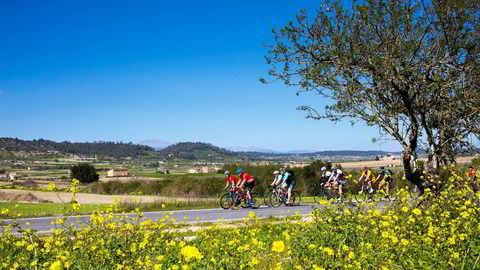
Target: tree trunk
[[409, 149], [411, 175]]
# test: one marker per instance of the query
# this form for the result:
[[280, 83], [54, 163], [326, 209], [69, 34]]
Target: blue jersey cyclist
[[287, 182]]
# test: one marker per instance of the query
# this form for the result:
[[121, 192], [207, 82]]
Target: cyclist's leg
[[290, 187], [249, 193], [381, 186]]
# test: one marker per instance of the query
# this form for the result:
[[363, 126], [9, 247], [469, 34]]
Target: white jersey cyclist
[[337, 175], [277, 179]]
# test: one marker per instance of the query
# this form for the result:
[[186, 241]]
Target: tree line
[[100, 148]]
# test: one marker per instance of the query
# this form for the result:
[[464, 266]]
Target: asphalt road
[[44, 224]]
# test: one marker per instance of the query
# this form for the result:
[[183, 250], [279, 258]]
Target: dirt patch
[[395, 163], [88, 198], [25, 197]]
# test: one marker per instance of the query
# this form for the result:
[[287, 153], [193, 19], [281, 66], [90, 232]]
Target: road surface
[[44, 224]]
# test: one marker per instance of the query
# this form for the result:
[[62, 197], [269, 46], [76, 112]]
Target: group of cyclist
[[244, 181], [283, 178], [335, 180]]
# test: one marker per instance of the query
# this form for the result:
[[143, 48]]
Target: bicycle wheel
[[361, 196], [226, 201], [254, 200], [345, 198], [275, 200], [293, 199], [389, 195], [320, 194], [414, 192], [266, 198], [297, 198]]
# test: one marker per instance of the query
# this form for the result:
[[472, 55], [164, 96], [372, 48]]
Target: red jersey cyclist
[[248, 182], [472, 177], [230, 180]]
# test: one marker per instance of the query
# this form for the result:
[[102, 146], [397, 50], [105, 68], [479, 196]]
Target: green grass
[[54, 209], [47, 209]]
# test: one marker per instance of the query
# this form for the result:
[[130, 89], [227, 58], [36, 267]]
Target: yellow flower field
[[442, 232]]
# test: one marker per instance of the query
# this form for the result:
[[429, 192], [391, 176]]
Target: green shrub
[[84, 172], [476, 163], [420, 164]]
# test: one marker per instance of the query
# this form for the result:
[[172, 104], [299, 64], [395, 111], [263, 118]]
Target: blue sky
[[136, 70]]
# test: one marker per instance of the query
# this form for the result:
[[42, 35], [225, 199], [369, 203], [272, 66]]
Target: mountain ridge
[[182, 150]]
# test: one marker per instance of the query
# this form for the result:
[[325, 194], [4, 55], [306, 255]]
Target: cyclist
[[324, 174], [246, 181], [325, 177], [338, 179], [384, 179], [288, 183], [230, 180], [277, 178], [366, 179], [472, 178]]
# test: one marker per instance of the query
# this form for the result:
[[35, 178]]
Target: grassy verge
[[46, 209], [55, 209]]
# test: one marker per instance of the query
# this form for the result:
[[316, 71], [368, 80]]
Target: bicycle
[[268, 193], [237, 197], [280, 196], [386, 191], [365, 194], [228, 199], [323, 193]]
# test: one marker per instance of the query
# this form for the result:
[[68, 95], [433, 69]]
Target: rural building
[[203, 169], [117, 173], [192, 171], [13, 176]]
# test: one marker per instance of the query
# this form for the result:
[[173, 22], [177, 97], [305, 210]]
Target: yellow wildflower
[[56, 266], [417, 211], [329, 251], [189, 252], [278, 246]]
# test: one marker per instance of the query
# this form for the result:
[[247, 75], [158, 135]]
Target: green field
[[54, 209], [46, 209]]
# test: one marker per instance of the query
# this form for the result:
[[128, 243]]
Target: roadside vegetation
[[24, 209], [442, 232]]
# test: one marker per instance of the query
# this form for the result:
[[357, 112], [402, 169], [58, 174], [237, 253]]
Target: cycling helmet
[[323, 169], [226, 173], [382, 167], [334, 167], [365, 168], [276, 172], [240, 170]]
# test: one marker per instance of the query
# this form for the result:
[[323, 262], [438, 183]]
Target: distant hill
[[196, 151], [182, 150], [250, 149], [155, 143], [112, 149]]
